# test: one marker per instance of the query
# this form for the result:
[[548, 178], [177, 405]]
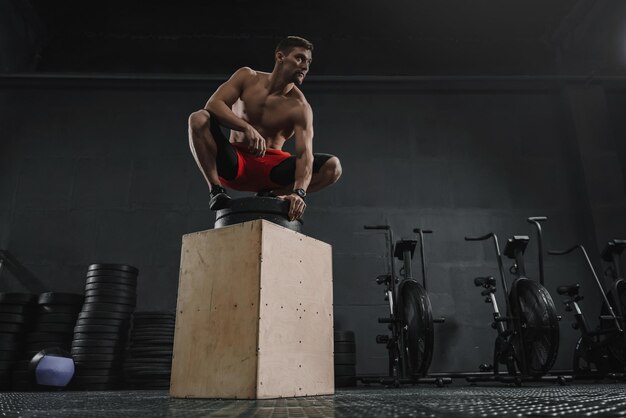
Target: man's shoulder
[[299, 97], [247, 73]]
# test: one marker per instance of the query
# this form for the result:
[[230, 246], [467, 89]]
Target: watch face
[[300, 192]]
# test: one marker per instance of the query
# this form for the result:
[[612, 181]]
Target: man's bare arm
[[221, 102], [304, 148]]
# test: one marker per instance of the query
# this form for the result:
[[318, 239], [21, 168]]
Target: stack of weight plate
[[149, 358], [101, 331], [16, 317], [54, 325], [345, 359]]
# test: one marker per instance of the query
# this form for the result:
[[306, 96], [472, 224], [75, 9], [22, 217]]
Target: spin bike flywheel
[[417, 331], [537, 325], [617, 298]]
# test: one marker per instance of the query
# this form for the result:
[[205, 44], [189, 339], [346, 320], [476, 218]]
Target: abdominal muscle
[[273, 139]]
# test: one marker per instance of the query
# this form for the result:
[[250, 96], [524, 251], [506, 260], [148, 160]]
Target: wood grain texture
[[296, 315], [217, 310]]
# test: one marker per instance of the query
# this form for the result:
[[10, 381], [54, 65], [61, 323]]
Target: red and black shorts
[[238, 169]]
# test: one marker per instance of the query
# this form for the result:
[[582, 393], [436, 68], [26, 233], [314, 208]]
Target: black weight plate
[[158, 344], [148, 367], [153, 340], [99, 372], [165, 335], [110, 293], [17, 309], [103, 315], [18, 298], [148, 352], [37, 347], [100, 336], [120, 323], [79, 351], [11, 328], [112, 280], [345, 358], [57, 318], [132, 290], [115, 300], [6, 365], [59, 309], [8, 355], [96, 343], [151, 328], [12, 318], [56, 298], [78, 379], [99, 365], [9, 345], [344, 336], [345, 370], [140, 361], [154, 314], [12, 338], [108, 307], [99, 329], [48, 337], [52, 327], [95, 357], [345, 347], [112, 266]]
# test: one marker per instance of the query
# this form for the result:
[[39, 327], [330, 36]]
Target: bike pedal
[[439, 320]]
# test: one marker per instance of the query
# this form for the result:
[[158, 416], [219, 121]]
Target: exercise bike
[[616, 295], [592, 356], [410, 320], [528, 334]]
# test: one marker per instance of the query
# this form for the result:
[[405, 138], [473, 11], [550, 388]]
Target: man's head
[[293, 56]]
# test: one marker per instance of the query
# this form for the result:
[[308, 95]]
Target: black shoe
[[219, 198], [268, 193]]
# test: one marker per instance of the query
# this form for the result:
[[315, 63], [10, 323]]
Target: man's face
[[296, 64]]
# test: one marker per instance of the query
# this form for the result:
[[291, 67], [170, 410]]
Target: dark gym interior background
[[462, 117]]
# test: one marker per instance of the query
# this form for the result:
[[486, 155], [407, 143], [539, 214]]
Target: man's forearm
[[304, 171], [226, 116]]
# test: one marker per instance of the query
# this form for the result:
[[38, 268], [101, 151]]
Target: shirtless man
[[262, 110]]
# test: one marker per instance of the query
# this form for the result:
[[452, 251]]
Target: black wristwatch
[[300, 192]]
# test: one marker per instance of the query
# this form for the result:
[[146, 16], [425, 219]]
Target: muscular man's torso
[[272, 115]]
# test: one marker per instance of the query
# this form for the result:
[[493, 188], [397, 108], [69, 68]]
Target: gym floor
[[456, 400]]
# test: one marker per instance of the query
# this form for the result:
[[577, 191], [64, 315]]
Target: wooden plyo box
[[254, 318]]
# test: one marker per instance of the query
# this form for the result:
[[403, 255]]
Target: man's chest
[[269, 111]]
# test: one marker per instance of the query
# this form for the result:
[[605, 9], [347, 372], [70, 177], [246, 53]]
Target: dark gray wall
[[100, 170]]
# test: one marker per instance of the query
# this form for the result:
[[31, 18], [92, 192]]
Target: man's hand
[[256, 143], [296, 206]]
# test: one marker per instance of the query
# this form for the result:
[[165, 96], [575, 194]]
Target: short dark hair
[[287, 44]]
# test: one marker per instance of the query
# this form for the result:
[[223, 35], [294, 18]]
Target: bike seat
[[569, 290], [518, 242], [615, 246], [404, 245]]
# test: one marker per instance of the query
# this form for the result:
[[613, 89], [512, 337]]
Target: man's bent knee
[[199, 119], [333, 168]]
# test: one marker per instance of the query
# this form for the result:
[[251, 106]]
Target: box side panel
[[296, 315], [217, 314]]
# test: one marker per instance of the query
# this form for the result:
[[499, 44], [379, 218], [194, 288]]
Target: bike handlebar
[[385, 227], [563, 252], [533, 219], [423, 231], [481, 238]]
